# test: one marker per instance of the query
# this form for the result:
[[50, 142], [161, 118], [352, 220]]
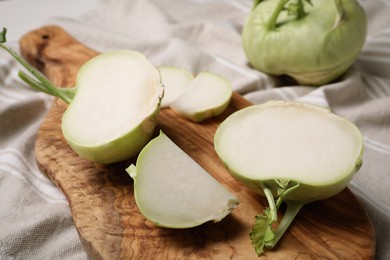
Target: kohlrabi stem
[[271, 24], [255, 3], [65, 94], [340, 13], [292, 210], [297, 9], [263, 234], [42, 83], [275, 205], [271, 204], [293, 207], [285, 193]]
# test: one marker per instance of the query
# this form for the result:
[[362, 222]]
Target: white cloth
[[35, 220]]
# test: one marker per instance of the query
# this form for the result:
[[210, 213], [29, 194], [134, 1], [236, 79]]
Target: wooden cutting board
[[102, 201]]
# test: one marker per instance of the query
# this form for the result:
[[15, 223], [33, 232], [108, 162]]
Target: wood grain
[[102, 202]]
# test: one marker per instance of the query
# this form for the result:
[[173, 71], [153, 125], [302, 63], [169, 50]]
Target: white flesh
[[116, 92], [207, 95], [175, 80], [172, 190], [280, 140]]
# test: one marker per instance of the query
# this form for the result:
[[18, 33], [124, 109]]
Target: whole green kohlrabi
[[312, 41]]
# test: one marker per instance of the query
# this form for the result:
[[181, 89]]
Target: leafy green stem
[[263, 234], [271, 25], [40, 82], [293, 207], [295, 8], [255, 3], [271, 204], [340, 16], [285, 192]]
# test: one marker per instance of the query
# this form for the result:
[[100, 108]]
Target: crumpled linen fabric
[[199, 35]]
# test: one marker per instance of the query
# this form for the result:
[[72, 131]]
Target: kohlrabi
[[197, 98], [112, 108], [175, 80], [207, 95], [290, 152], [312, 41], [172, 190]]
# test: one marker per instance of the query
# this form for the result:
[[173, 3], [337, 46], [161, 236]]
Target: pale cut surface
[[280, 140], [172, 190], [116, 91], [175, 80], [207, 95]]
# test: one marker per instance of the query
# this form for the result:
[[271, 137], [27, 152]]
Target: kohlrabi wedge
[[291, 152], [113, 107], [175, 80], [207, 95], [172, 190]]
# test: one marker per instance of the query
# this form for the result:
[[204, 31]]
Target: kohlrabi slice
[[207, 95], [291, 152], [172, 190], [175, 80], [113, 107]]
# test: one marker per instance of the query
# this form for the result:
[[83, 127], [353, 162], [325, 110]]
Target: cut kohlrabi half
[[291, 152], [207, 95], [172, 190], [113, 107], [175, 80], [113, 114]]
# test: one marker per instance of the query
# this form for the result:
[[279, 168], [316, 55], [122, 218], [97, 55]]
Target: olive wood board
[[101, 197]]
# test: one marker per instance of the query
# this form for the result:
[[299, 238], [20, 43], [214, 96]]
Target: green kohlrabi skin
[[121, 148], [314, 45]]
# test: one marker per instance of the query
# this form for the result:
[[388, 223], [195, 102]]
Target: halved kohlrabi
[[175, 80], [113, 114], [207, 95], [172, 190], [291, 152], [113, 107]]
